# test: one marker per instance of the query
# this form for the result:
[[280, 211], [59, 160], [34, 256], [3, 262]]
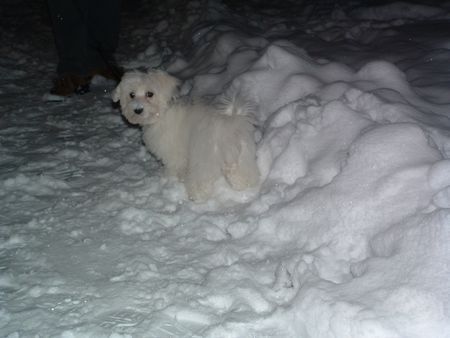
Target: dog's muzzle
[[138, 111]]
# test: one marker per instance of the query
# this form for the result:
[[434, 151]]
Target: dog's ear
[[174, 84], [116, 94], [167, 81]]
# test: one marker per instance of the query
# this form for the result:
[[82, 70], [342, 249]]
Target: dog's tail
[[237, 103]]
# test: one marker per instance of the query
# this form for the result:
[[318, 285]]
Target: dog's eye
[[149, 94], [132, 95]]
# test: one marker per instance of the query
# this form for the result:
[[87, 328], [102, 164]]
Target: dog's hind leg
[[201, 175], [243, 173], [198, 190]]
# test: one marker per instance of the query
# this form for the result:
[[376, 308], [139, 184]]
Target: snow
[[347, 234]]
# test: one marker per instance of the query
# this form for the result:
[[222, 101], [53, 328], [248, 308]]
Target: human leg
[[103, 35], [71, 34]]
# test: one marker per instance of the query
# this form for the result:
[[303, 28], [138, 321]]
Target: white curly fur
[[196, 142]]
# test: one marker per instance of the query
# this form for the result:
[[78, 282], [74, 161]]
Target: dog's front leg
[[171, 171], [198, 190]]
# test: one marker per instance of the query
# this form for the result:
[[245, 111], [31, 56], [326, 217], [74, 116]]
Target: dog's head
[[145, 96]]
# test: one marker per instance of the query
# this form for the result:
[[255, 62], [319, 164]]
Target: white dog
[[197, 143]]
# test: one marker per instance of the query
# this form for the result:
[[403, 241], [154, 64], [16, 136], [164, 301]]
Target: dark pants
[[86, 33]]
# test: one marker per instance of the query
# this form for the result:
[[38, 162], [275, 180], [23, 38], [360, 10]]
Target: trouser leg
[[86, 33], [71, 35], [103, 27]]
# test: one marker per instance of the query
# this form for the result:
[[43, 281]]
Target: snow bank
[[398, 10], [350, 238]]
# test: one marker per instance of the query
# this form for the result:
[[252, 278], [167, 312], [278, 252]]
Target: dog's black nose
[[139, 110]]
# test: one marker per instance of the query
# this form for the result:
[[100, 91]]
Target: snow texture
[[348, 234]]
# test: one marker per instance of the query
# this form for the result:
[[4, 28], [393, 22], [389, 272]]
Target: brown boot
[[68, 84], [112, 72]]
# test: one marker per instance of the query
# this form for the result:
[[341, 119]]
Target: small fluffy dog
[[196, 142]]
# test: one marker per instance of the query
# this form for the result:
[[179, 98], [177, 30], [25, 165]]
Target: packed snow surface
[[347, 235]]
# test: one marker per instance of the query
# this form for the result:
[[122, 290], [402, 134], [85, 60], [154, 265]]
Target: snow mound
[[398, 10]]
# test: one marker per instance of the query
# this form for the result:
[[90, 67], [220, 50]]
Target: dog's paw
[[241, 178], [199, 192]]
